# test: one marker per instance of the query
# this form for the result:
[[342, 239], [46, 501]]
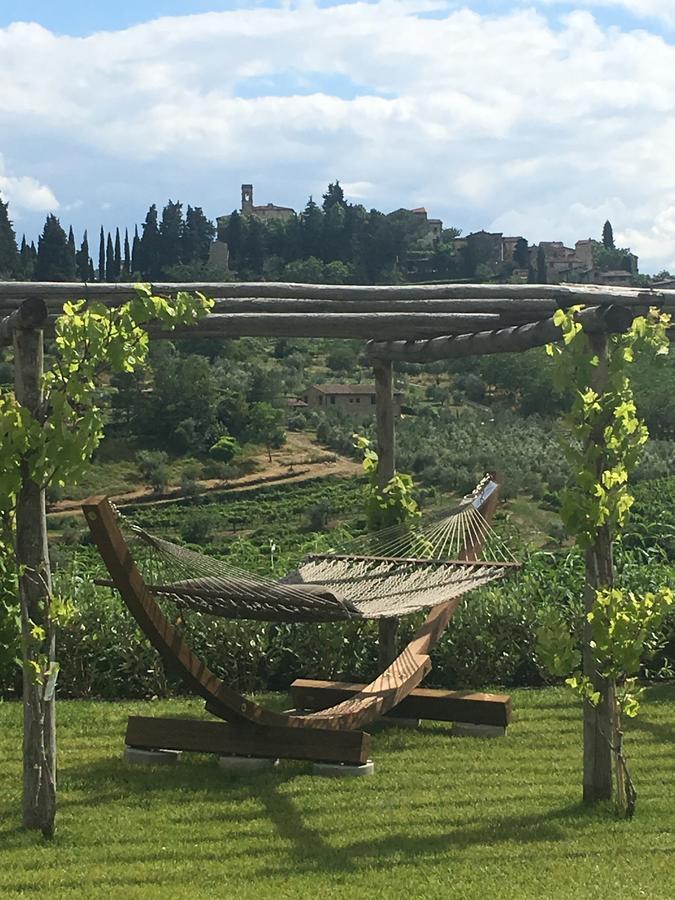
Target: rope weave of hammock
[[393, 572]]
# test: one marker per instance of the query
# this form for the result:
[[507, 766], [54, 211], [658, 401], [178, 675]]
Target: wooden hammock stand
[[414, 323]]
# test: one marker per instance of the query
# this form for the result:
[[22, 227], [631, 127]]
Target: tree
[[82, 259], [233, 235], [71, 247], [50, 430], [311, 228], [265, 426], [152, 465], [9, 258], [55, 262], [101, 256], [334, 196], [118, 255], [126, 264], [198, 235], [253, 248], [608, 236], [171, 236], [27, 259], [135, 251], [109, 259], [149, 250]]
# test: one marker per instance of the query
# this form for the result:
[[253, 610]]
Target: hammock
[[393, 572]]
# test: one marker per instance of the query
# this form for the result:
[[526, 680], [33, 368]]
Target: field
[[443, 817]]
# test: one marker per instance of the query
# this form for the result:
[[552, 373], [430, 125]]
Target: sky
[[535, 117]]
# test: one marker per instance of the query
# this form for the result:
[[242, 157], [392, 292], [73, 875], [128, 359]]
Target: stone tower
[[247, 199]]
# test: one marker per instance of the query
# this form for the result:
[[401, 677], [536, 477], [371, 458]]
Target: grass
[[441, 818]]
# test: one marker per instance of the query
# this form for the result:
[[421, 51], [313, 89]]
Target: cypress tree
[[26, 260], [198, 234], [54, 259], [101, 256], [171, 235], [135, 250], [71, 247], [82, 259], [149, 246], [126, 266], [234, 236], [9, 257], [118, 255], [109, 259], [608, 235]]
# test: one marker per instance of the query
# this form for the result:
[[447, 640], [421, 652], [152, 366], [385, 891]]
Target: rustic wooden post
[[386, 449], [598, 720], [39, 740]]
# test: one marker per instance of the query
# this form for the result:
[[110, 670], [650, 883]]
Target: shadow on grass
[[307, 848]]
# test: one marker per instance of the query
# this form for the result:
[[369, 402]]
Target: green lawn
[[442, 817]]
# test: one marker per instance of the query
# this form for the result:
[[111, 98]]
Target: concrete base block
[[468, 729], [343, 770], [246, 765], [140, 757]]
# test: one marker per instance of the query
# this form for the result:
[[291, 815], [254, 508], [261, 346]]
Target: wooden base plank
[[317, 744], [423, 703]]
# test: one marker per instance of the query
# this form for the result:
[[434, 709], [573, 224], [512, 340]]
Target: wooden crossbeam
[[595, 319], [319, 744], [423, 703], [562, 294]]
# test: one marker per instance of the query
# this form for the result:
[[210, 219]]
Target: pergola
[[412, 323]]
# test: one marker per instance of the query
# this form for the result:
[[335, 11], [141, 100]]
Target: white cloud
[[659, 10], [533, 126], [26, 193]]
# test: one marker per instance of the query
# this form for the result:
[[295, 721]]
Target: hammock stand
[[332, 735]]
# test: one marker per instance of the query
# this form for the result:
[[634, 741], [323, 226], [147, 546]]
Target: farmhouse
[[357, 398]]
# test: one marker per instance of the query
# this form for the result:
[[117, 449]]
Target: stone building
[[434, 227], [269, 212], [577, 264], [357, 399]]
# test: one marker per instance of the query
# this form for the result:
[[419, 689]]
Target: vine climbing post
[[386, 451], [599, 717], [37, 631]]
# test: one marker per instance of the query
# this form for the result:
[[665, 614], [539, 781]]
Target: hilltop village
[[334, 242]]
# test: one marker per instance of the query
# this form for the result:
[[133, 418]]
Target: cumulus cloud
[[659, 10], [25, 192], [535, 125]]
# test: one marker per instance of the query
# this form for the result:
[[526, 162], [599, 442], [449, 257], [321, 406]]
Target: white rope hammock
[[393, 572]]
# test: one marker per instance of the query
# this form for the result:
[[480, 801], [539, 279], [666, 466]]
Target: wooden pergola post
[[386, 449], [37, 630], [598, 720]]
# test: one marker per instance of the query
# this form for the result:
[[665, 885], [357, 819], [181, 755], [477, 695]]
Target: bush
[[188, 481], [199, 525], [225, 449], [152, 465]]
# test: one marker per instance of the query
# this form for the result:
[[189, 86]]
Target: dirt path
[[300, 459]]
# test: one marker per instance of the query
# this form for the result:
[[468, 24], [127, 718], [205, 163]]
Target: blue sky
[[540, 117]]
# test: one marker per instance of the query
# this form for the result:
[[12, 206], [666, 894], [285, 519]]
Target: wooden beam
[[31, 313], [423, 703], [513, 339], [565, 295], [319, 744], [386, 451], [310, 325]]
